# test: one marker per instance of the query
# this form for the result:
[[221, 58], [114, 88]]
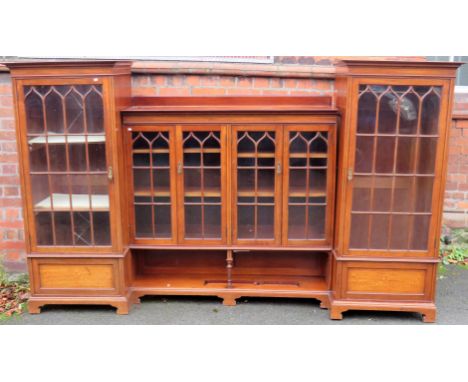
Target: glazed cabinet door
[[394, 182], [152, 183], [256, 164], [201, 184], [67, 164], [308, 184]]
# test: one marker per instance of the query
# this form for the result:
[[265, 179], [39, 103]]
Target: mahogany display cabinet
[[336, 199]]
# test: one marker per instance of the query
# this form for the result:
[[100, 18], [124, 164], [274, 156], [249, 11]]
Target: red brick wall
[[456, 193], [11, 221], [199, 85], [11, 224]]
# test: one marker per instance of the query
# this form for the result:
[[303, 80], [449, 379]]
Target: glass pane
[[83, 230], [317, 182], [161, 182], [382, 193], [405, 147], [399, 231], [75, 115], [406, 155], [364, 154], [162, 221], [359, 231], [94, 111], [388, 112], [143, 221], [54, 111], [202, 184], [430, 112], [307, 185], [101, 228], [44, 232], [297, 222], [385, 155], [246, 222], [34, 113], [367, 112], [362, 193], [266, 219], [193, 217], [409, 111], [316, 227], [402, 193], [427, 155], [266, 181], [419, 239], [423, 199], [213, 217], [78, 160], [97, 156], [256, 184], [71, 205], [152, 184], [379, 231], [298, 182], [38, 157]]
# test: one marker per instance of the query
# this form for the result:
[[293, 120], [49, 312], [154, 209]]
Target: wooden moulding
[[231, 103], [392, 68], [224, 69], [72, 68]]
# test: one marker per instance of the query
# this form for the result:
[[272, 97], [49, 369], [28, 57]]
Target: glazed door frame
[[438, 175], [330, 175], [111, 163], [130, 190], [181, 218], [278, 171]]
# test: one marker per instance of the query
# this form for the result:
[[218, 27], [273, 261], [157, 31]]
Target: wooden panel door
[[308, 184], [201, 181], [67, 163], [256, 184], [394, 180], [152, 183]]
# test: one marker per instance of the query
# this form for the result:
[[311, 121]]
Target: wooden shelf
[[299, 192], [200, 151], [147, 151], [154, 193], [192, 283], [207, 192], [250, 193], [256, 155], [80, 202], [313, 249], [71, 139], [311, 155]]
